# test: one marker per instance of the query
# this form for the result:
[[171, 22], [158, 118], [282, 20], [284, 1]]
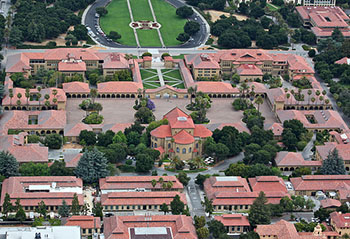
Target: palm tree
[[93, 95], [47, 104], [27, 94], [54, 92], [313, 99], [327, 102], [47, 97], [154, 182], [19, 96], [318, 93], [169, 184], [160, 180], [288, 96], [11, 96], [309, 92], [39, 97], [18, 103], [259, 100], [54, 100], [321, 98]]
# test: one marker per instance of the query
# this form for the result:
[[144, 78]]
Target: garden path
[[158, 31], [132, 20]]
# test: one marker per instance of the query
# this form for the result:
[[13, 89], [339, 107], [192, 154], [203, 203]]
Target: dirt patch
[[215, 15], [240, 17], [72, 146]]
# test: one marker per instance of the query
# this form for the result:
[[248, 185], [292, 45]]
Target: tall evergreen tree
[[63, 210], [92, 166], [8, 164], [20, 214], [41, 209], [177, 206], [333, 164], [7, 205], [97, 210], [259, 212], [75, 209]]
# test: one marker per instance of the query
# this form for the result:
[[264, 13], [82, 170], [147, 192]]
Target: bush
[[33, 139], [126, 168], [53, 141], [164, 55], [312, 53], [146, 54], [301, 145], [93, 118], [306, 47], [128, 162]]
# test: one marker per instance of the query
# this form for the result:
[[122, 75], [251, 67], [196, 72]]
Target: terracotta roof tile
[[76, 87], [230, 220], [183, 137], [267, 183], [85, 222]]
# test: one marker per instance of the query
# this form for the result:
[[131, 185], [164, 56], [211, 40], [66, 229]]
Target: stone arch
[[133, 96], [13, 108], [108, 96], [69, 95], [286, 169], [223, 96], [84, 96], [43, 108], [18, 108], [118, 95], [74, 96], [61, 132], [214, 95], [292, 169], [78, 95], [113, 95], [210, 95], [219, 95], [103, 96], [42, 132], [123, 96], [54, 132], [6, 108], [127, 96]]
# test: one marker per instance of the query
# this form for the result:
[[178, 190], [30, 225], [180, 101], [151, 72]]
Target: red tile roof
[[287, 159], [276, 128], [215, 87], [85, 222], [267, 183], [72, 159], [76, 87], [162, 131], [328, 147], [321, 182], [116, 127], [329, 202], [344, 60], [115, 61], [75, 129], [178, 119], [230, 184], [202, 61], [341, 220], [118, 87], [117, 227], [249, 70], [201, 131], [78, 66], [231, 220], [65, 53], [132, 182], [183, 137], [16, 188], [281, 229], [141, 198]]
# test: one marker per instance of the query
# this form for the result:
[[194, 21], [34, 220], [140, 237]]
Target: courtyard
[[121, 111], [118, 19], [154, 78]]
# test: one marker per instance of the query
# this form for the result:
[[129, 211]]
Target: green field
[[172, 25], [151, 83], [173, 78], [118, 20]]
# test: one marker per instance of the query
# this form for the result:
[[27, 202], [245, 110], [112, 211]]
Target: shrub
[[126, 168], [301, 145], [53, 141], [164, 55], [146, 54], [93, 118], [128, 162], [33, 139]]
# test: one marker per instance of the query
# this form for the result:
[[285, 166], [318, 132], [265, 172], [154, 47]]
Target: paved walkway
[[132, 20], [155, 20], [160, 77]]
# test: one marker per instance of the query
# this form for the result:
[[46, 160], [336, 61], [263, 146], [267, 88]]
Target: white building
[[57, 232]]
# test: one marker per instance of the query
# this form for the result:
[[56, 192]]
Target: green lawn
[[148, 38], [170, 81], [141, 10], [175, 74], [172, 25], [272, 7], [118, 20], [179, 86], [145, 73], [182, 56]]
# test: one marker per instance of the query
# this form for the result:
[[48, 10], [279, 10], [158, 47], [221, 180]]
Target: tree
[[58, 168], [34, 169], [8, 164], [337, 35], [312, 53], [183, 178], [259, 213], [259, 101], [287, 204], [177, 206], [20, 214], [249, 235], [144, 163], [191, 27], [208, 205], [202, 233], [102, 11], [144, 115], [164, 208], [16, 36], [333, 164], [200, 179], [41, 209], [154, 182], [92, 166], [199, 221], [114, 35], [105, 139], [322, 214], [216, 228], [184, 12], [7, 205], [97, 210], [53, 141], [183, 37], [289, 139], [89, 137], [75, 209], [63, 210]]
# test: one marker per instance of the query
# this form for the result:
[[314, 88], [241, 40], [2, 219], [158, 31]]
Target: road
[[307, 152], [199, 39]]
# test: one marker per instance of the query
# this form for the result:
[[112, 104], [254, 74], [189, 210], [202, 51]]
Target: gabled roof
[[162, 131], [78, 66], [84, 222], [267, 183], [115, 61], [341, 220], [118, 87], [178, 119], [249, 70], [281, 230], [328, 147], [284, 159], [75, 129], [76, 87], [233, 220], [215, 87], [183, 137]]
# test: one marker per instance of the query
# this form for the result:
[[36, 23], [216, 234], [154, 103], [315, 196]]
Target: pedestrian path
[[132, 20], [160, 76], [155, 20]]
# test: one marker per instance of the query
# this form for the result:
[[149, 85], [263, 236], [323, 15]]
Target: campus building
[[235, 224], [138, 201], [49, 189], [340, 222], [284, 229], [322, 151], [89, 225], [250, 64], [312, 2], [315, 120], [335, 186], [156, 226], [144, 183], [324, 19], [68, 61], [180, 137], [290, 161], [43, 232]]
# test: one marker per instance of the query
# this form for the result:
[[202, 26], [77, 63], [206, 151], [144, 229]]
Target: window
[[90, 230], [155, 145], [196, 145], [183, 150], [169, 145], [177, 150], [189, 150], [152, 144]]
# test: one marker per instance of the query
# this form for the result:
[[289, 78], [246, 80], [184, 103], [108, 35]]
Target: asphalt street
[[89, 20]]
